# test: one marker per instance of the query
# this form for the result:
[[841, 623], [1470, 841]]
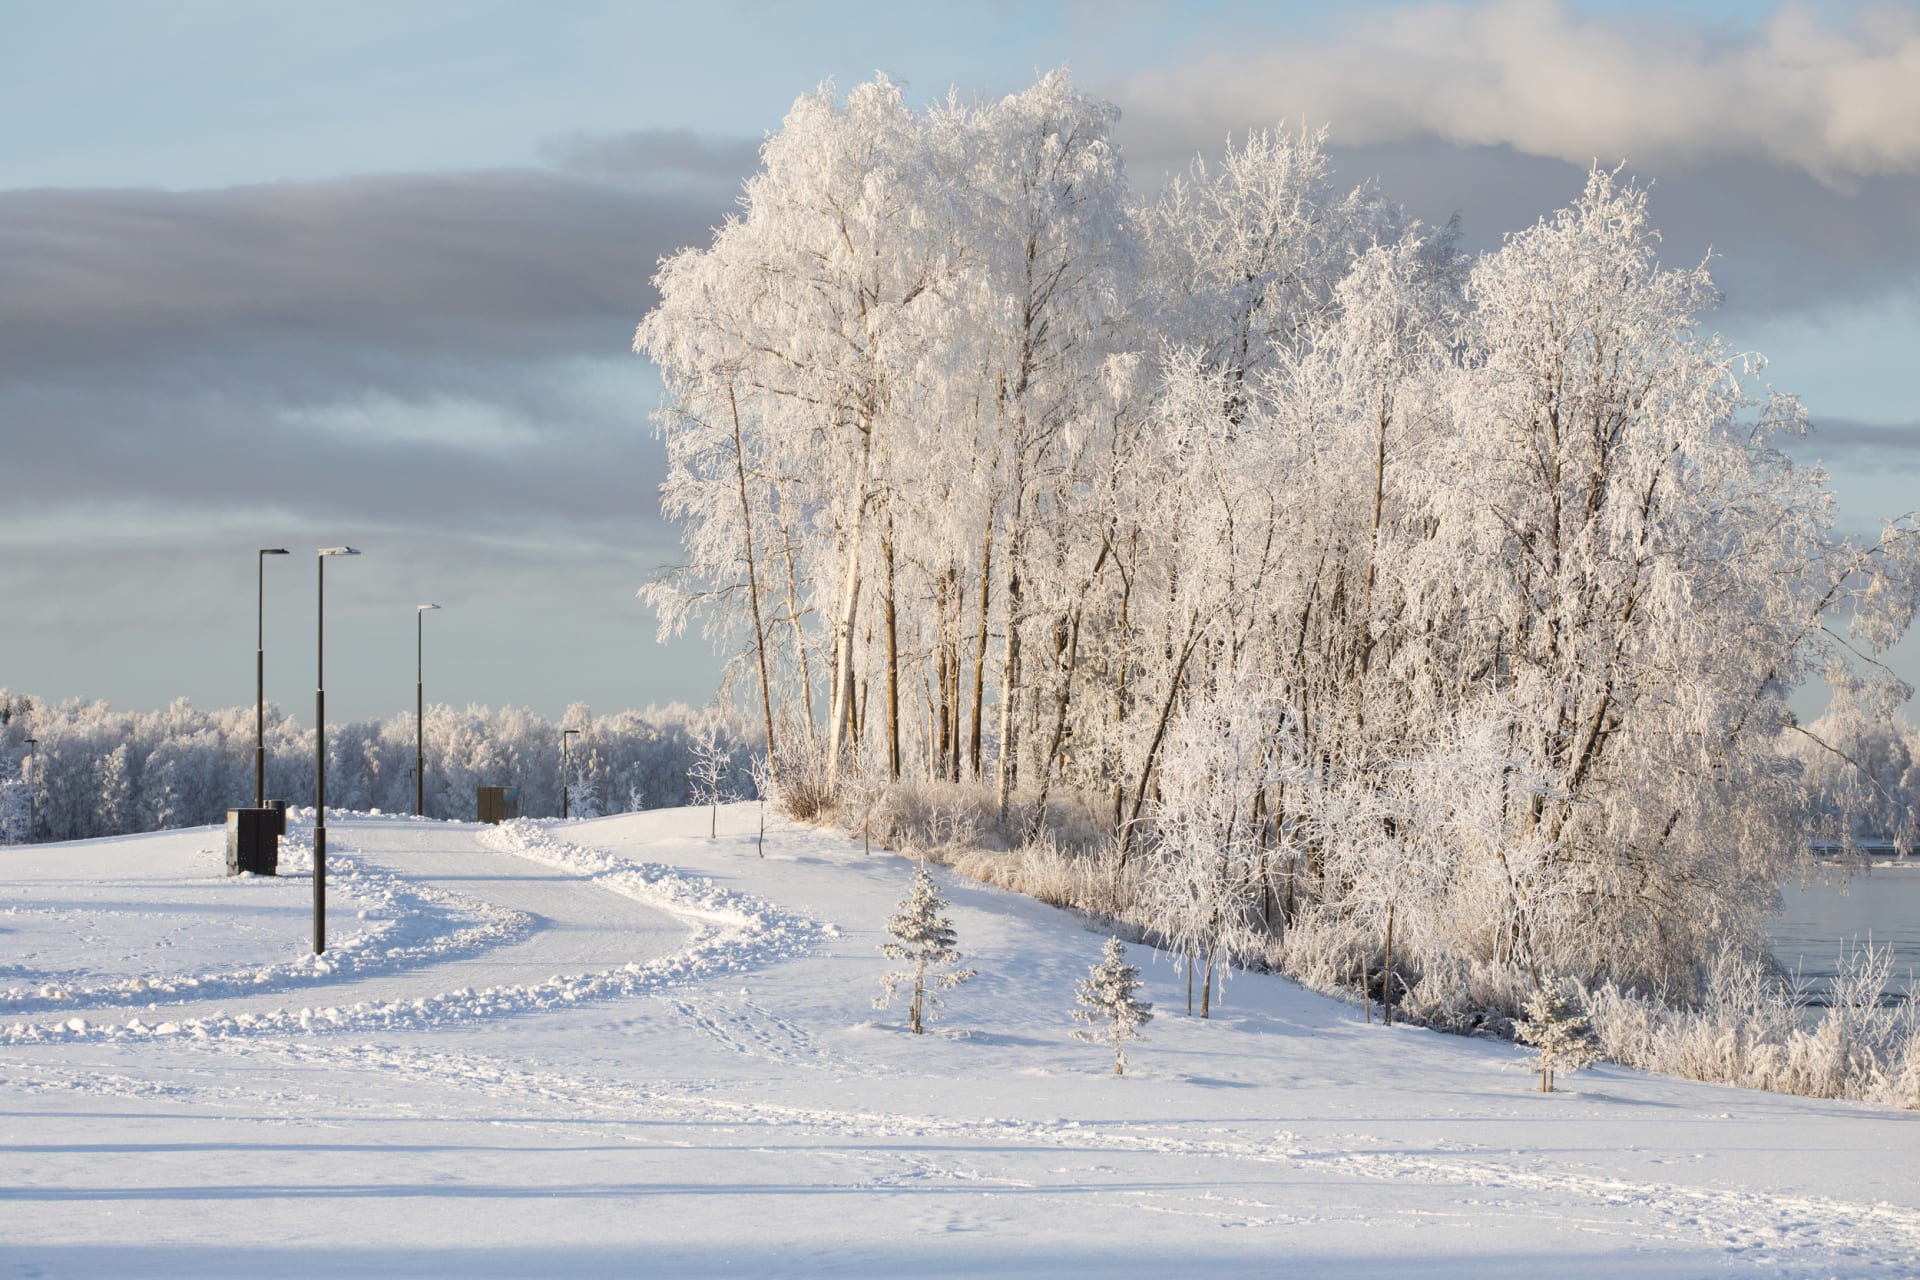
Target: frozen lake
[[1822, 920]]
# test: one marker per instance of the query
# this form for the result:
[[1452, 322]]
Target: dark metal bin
[[497, 804], [253, 842]]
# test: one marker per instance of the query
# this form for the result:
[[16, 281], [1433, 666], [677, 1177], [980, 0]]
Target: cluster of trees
[[94, 771], [1446, 601], [1863, 776]]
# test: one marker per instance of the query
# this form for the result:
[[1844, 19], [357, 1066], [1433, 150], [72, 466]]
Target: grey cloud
[[583, 475], [207, 351], [1840, 103], [1863, 445], [301, 288], [670, 159], [1781, 241]]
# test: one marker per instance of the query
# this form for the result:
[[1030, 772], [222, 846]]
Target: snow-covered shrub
[[1107, 1000], [1753, 1029], [923, 936], [1561, 1038]]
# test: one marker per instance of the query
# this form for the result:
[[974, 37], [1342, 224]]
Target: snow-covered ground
[[617, 1047]]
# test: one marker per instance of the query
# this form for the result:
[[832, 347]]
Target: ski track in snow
[[1782, 1234], [730, 932]]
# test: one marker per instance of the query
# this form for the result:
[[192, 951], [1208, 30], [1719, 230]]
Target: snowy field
[[617, 1047]]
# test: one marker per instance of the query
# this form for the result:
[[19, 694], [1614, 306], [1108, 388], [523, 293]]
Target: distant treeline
[[98, 771]]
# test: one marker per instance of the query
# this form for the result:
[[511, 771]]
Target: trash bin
[[253, 842], [497, 804], [279, 808]]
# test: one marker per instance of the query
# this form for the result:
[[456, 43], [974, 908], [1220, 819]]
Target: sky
[[363, 273]]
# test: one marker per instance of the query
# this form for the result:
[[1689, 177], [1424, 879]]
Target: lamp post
[[33, 755], [564, 735], [320, 754], [260, 682], [420, 707]]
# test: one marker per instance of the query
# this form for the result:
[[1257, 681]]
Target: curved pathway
[[577, 932]]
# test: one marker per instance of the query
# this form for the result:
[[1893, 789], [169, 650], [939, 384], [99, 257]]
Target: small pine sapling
[[1107, 996], [924, 937], [1559, 1034]]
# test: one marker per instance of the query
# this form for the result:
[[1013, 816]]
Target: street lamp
[[260, 682], [33, 754], [420, 706], [320, 754], [564, 735]]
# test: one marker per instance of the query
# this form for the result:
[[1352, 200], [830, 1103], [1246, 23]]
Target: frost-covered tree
[[1507, 543], [1208, 865], [1561, 1038], [707, 776], [1108, 1003], [13, 810], [761, 770], [922, 936]]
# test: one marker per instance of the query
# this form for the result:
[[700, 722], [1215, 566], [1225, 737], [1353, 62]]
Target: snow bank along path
[[522, 938]]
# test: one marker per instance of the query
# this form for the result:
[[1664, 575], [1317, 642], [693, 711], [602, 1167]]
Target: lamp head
[[422, 608], [273, 551], [338, 551], [565, 732]]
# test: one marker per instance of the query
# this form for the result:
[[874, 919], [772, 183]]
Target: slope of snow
[[617, 1047]]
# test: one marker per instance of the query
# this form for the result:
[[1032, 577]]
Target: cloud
[[1864, 445], [657, 159], [1780, 240], [300, 289], [443, 351], [1838, 103]]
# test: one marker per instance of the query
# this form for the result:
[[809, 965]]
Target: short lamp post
[[320, 756], [260, 681], [420, 707], [564, 735]]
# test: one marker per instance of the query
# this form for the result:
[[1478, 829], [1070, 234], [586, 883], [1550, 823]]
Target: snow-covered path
[[731, 1105]]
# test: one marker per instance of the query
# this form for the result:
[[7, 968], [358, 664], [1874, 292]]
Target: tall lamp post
[[260, 683], [564, 735], [420, 707], [320, 755], [33, 755]]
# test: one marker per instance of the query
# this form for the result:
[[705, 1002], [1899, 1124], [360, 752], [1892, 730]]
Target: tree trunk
[[1062, 699], [753, 583], [843, 691], [1386, 991], [1206, 985], [980, 650], [1009, 676], [799, 634], [919, 991], [893, 663], [1153, 748]]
